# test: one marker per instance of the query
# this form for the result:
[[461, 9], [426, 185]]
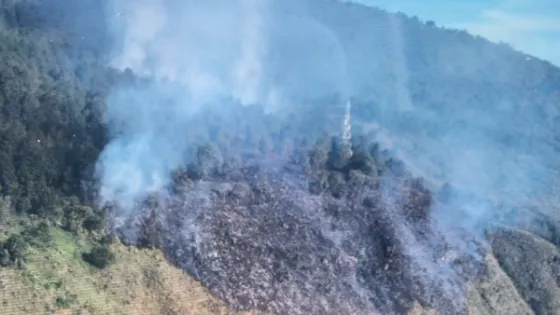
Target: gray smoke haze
[[215, 54], [275, 55], [454, 121], [219, 54]]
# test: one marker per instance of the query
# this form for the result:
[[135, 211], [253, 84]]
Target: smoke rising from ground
[[214, 54]]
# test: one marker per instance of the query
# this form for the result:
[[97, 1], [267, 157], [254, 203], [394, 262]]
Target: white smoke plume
[[204, 55]]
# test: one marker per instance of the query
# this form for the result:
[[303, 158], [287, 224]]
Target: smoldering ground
[[274, 55], [328, 236], [219, 54], [262, 68]]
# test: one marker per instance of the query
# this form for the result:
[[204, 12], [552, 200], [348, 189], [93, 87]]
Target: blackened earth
[[326, 233]]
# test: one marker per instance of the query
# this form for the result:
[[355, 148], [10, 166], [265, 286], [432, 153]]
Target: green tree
[[100, 256]]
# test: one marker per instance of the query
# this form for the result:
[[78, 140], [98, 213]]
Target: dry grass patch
[[56, 280]]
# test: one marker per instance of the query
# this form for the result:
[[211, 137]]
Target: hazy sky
[[532, 26]]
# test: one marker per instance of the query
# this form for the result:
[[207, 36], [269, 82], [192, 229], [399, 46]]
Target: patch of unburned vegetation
[[55, 279]]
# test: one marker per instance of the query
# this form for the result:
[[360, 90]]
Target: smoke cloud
[[453, 121], [203, 55], [216, 55]]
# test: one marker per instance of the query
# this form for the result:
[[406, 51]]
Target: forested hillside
[[276, 213], [55, 255], [52, 99]]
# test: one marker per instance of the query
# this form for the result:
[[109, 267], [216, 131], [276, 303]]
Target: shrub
[[95, 222], [13, 252], [37, 235], [5, 258], [100, 256]]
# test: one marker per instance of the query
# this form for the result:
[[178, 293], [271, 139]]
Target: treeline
[[50, 127], [52, 94]]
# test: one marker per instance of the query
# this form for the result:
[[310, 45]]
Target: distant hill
[[452, 186]]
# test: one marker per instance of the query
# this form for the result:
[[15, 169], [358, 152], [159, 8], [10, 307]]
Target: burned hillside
[[261, 217], [325, 233]]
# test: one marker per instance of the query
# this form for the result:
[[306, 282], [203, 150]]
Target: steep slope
[[448, 101], [532, 264], [449, 104], [493, 293], [52, 92], [329, 233], [278, 228], [56, 280]]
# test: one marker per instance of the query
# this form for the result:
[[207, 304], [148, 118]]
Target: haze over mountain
[[395, 70], [528, 26], [297, 157]]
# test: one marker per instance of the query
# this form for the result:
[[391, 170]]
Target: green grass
[[48, 279], [56, 280]]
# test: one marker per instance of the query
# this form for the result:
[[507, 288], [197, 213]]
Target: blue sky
[[532, 26]]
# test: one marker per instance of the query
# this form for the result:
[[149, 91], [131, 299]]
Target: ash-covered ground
[[331, 230]]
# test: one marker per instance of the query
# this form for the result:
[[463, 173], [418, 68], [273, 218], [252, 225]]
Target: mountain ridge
[[54, 89]]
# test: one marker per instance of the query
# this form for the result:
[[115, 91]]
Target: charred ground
[[283, 224], [323, 233]]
